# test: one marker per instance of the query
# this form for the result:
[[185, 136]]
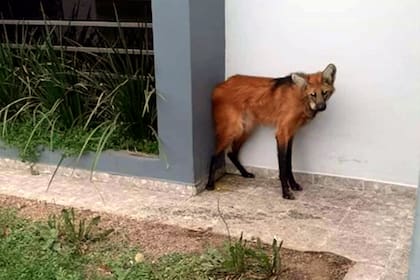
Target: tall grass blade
[[44, 117], [88, 139], [105, 136], [55, 171]]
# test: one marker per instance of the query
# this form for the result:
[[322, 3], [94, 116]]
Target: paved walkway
[[369, 225]]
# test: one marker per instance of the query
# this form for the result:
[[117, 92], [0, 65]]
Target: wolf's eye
[[313, 94], [324, 93]]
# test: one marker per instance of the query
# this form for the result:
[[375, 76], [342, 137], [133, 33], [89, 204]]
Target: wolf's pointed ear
[[328, 75], [299, 80]]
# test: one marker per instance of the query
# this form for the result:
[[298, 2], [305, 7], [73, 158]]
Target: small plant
[[253, 262], [68, 232], [8, 222], [236, 259]]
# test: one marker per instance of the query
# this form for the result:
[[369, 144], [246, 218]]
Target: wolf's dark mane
[[286, 80], [278, 82]]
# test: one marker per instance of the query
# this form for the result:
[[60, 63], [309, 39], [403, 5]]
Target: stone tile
[[393, 275], [274, 206], [304, 178], [259, 173], [324, 216], [297, 236], [406, 233], [378, 228], [322, 195], [263, 173], [234, 206], [364, 271], [399, 260], [232, 185], [380, 207], [237, 183], [339, 182], [231, 214], [385, 188], [359, 248], [393, 203]]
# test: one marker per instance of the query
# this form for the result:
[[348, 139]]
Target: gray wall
[[172, 44], [207, 69], [190, 61]]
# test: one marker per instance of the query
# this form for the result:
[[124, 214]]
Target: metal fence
[[81, 25]]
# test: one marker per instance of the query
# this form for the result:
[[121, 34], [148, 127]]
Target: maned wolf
[[242, 102]]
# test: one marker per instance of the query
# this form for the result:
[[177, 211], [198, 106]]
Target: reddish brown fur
[[242, 102]]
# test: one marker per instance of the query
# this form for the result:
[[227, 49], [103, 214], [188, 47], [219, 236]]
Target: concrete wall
[[207, 70], [189, 42], [371, 128]]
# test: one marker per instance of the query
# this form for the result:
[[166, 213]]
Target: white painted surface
[[371, 128]]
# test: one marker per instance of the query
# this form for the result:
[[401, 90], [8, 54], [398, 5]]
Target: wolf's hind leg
[[214, 163], [233, 155]]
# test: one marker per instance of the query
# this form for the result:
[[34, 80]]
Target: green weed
[[25, 257], [74, 102], [66, 232], [241, 259], [69, 247]]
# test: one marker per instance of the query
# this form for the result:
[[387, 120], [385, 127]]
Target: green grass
[[70, 142], [74, 102], [67, 247]]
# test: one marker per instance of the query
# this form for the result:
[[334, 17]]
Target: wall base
[[194, 189], [329, 180], [136, 182]]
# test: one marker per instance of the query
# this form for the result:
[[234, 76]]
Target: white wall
[[371, 128]]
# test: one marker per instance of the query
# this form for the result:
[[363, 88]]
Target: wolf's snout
[[321, 107]]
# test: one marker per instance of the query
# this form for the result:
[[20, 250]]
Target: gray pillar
[[189, 43], [207, 25]]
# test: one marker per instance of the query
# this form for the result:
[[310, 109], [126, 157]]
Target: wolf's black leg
[[233, 156], [283, 171], [215, 160], [292, 182]]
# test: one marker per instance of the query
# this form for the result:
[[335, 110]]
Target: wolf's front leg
[[292, 182], [283, 170]]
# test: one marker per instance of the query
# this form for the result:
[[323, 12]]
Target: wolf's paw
[[289, 195], [295, 186], [248, 175], [210, 187]]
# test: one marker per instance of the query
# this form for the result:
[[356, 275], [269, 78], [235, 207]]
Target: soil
[[159, 239]]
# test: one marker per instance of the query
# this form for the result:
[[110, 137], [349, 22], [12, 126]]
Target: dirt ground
[[158, 239]]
